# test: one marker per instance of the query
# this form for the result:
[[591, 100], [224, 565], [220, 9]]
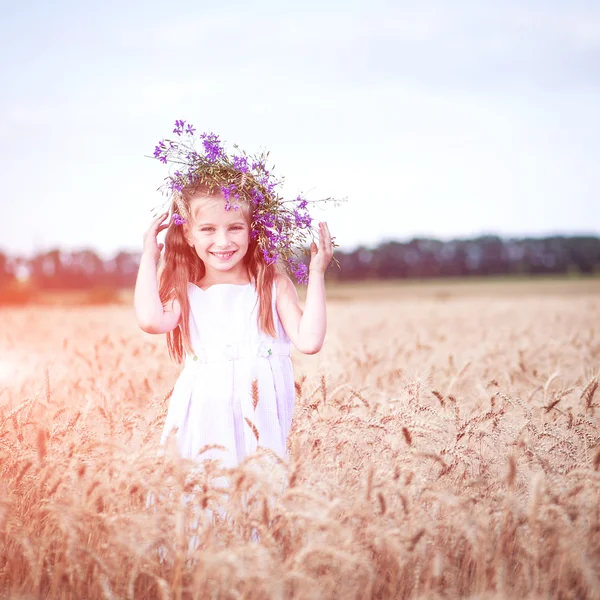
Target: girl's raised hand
[[151, 245], [321, 257]]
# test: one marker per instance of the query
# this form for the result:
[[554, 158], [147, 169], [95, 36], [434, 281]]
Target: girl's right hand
[[151, 245]]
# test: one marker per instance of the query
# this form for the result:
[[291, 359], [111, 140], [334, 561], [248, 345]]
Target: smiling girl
[[226, 305]]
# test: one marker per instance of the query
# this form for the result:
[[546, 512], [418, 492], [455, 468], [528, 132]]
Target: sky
[[439, 119]]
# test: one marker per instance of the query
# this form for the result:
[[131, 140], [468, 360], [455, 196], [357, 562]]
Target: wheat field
[[445, 444]]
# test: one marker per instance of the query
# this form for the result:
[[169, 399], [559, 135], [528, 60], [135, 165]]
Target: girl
[[227, 307]]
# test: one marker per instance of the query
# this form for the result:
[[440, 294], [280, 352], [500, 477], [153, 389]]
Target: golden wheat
[[488, 488]]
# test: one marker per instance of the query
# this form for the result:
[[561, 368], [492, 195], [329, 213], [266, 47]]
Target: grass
[[445, 444], [467, 286]]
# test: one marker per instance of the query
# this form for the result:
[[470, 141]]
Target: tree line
[[419, 258]]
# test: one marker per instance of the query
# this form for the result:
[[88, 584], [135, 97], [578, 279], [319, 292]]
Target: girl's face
[[220, 237]]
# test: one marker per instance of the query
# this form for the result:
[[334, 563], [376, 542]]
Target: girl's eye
[[206, 229], [236, 228]]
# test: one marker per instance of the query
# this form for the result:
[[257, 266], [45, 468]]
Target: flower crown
[[281, 227]]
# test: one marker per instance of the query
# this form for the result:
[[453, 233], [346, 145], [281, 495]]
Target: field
[[445, 444]]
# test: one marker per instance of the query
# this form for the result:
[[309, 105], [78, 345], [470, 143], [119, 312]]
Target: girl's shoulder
[[283, 284], [285, 290]]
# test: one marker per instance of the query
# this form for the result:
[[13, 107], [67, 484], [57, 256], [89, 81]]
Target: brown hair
[[181, 265]]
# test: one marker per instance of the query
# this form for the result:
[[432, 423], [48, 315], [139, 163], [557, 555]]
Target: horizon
[[345, 250]]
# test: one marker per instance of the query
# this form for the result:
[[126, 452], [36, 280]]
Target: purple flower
[[267, 220], [257, 196], [159, 149], [177, 219], [212, 147], [240, 163], [190, 129], [303, 221], [192, 157], [268, 258], [174, 184], [178, 127], [230, 206], [302, 203], [227, 190], [300, 271]]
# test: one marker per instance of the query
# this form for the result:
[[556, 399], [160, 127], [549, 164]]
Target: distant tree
[[47, 270], [584, 253], [86, 269], [492, 255], [389, 261], [420, 257], [123, 268], [6, 273]]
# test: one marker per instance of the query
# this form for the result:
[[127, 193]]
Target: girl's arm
[[306, 329], [152, 316]]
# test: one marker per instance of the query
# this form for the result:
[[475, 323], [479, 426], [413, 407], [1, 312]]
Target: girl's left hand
[[321, 257]]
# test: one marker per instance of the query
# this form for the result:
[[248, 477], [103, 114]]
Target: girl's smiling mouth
[[224, 255]]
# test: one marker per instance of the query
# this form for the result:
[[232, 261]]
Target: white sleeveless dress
[[212, 402]]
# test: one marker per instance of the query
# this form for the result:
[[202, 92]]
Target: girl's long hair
[[181, 265]]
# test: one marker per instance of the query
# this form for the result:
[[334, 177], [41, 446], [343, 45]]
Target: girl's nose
[[222, 239]]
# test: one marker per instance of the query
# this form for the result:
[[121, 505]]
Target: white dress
[[212, 402]]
